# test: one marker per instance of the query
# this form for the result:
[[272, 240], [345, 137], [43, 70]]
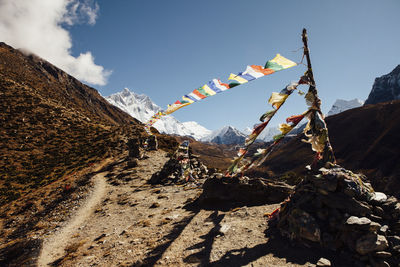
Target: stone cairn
[[171, 173], [152, 143], [135, 152], [335, 209]]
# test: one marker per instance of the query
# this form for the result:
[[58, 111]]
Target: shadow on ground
[[158, 251]]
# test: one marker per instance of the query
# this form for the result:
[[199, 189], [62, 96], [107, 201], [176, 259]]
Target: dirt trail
[[53, 248], [137, 224]]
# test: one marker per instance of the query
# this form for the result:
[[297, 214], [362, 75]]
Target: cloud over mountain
[[36, 26]]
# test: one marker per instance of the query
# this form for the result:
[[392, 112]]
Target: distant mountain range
[[142, 108], [227, 135]]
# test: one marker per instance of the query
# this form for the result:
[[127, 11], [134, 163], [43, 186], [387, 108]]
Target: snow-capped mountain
[[385, 88], [142, 108], [227, 135], [341, 105], [266, 135]]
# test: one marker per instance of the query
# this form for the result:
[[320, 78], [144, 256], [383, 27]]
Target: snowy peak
[[142, 108], [341, 105], [385, 88], [227, 135], [268, 134], [138, 106]]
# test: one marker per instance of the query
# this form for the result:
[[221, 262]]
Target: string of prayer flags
[[215, 86], [276, 100]]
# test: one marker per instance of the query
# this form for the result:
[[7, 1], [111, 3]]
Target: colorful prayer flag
[[216, 86]]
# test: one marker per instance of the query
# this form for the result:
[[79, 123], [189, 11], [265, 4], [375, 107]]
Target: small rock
[[323, 262], [384, 229], [305, 225], [380, 264], [371, 243], [99, 237], [192, 259], [378, 197], [326, 183], [156, 191], [374, 227], [379, 211], [224, 228], [154, 205], [383, 254], [389, 203], [396, 249], [375, 218], [362, 222], [396, 211]]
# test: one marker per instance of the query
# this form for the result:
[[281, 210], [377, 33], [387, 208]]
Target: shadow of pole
[[203, 256], [157, 252]]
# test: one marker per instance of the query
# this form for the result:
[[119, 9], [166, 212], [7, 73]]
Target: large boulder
[[245, 191]]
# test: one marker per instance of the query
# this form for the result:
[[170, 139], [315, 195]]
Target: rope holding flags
[[215, 86], [316, 130]]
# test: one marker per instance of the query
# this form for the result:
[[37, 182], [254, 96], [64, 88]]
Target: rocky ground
[[125, 221]]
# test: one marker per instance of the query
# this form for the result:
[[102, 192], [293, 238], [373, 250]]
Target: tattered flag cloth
[[216, 86], [276, 100], [262, 154]]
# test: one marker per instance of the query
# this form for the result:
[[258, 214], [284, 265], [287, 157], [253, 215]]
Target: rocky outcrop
[[244, 191], [385, 88], [336, 210]]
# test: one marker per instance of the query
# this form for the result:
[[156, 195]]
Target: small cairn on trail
[[181, 168], [337, 210], [135, 152]]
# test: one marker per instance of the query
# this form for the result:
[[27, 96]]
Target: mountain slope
[[51, 124], [142, 108], [385, 88]]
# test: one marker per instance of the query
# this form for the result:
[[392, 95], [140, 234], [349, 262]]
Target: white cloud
[[37, 26]]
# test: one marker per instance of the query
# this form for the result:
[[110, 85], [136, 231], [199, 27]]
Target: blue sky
[[165, 49]]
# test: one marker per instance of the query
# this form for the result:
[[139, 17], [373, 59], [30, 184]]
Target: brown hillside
[[51, 124], [364, 139]]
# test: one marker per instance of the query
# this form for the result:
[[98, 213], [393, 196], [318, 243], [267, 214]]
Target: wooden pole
[[309, 72], [327, 154]]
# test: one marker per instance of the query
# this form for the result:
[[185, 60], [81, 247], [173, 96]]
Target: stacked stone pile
[[172, 171], [337, 210]]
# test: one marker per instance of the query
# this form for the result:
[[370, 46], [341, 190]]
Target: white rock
[[379, 197], [224, 228]]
